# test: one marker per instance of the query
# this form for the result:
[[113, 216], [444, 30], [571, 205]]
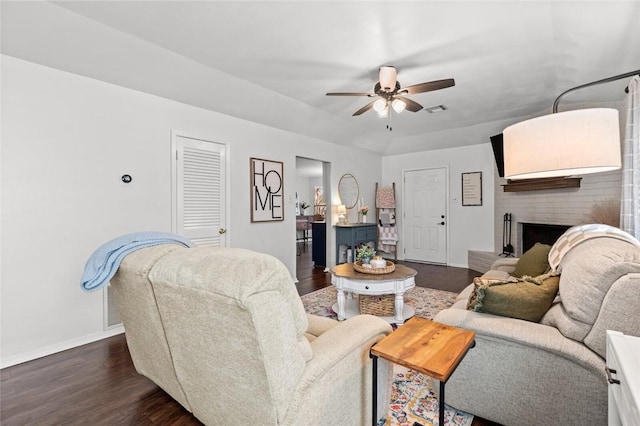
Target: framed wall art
[[472, 189], [266, 182], [319, 205]]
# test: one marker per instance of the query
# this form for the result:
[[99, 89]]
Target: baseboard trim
[[59, 347]]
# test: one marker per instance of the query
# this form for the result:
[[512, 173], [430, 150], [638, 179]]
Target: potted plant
[[364, 253], [363, 211], [303, 207]]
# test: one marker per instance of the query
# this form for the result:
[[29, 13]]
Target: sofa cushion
[[581, 233], [496, 275], [588, 272], [533, 262], [524, 298], [464, 294]]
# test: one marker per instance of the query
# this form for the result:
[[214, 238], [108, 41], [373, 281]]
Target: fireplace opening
[[540, 233]]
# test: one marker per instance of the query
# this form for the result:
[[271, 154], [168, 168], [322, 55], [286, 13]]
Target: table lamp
[[342, 214]]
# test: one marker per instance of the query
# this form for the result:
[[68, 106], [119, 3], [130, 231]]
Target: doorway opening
[[311, 213]]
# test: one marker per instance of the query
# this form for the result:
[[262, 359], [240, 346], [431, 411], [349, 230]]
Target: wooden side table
[[429, 347]]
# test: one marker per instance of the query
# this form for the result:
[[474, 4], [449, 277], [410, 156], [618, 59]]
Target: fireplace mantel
[[543, 183]]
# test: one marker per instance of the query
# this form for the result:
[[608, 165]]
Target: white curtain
[[630, 203]]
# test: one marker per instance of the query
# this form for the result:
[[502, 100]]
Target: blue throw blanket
[[104, 262]]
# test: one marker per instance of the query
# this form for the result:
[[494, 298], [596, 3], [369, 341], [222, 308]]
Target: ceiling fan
[[391, 94]]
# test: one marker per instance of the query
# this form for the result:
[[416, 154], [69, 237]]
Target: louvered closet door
[[199, 191]]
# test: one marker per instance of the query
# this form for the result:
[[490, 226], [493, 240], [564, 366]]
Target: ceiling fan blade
[[364, 109], [427, 87], [350, 94], [411, 105]]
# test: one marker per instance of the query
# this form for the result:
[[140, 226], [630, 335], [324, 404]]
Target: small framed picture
[[266, 182], [472, 189]]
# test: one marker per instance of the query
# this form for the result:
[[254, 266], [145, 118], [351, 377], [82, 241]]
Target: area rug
[[413, 399], [426, 301]]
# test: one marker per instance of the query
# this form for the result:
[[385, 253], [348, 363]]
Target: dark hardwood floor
[[96, 384], [433, 276]]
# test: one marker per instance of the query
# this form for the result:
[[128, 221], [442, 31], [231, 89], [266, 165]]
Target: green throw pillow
[[524, 298], [484, 282], [533, 262]]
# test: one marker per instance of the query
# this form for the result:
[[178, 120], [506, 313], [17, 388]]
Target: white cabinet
[[623, 369]]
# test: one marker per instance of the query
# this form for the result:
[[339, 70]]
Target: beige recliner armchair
[[552, 372], [224, 332]]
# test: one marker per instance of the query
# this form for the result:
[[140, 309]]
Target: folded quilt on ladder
[[388, 238], [386, 198]]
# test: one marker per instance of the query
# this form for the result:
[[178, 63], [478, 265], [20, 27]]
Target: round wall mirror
[[348, 190]]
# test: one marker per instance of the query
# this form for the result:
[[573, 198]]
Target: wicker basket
[[377, 305], [386, 270]]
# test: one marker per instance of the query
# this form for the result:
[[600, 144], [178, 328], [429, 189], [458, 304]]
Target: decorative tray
[[358, 266]]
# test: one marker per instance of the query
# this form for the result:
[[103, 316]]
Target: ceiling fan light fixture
[[380, 105], [398, 105], [384, 113], [388, 77], [390, 94]]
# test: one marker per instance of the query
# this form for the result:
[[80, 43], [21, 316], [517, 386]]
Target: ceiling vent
[[437, 108]]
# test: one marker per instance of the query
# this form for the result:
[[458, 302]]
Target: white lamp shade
[[563, 144], [342, 209], [398, 105], [388, 77], [379, 105]]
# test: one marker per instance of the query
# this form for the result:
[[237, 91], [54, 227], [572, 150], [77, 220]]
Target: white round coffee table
[[347, 279]]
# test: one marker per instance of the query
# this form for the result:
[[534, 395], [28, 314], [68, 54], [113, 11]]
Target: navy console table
[[319, 244], [353, 234]]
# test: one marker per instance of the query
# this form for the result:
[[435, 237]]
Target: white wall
[[469, 227], [66, 140]]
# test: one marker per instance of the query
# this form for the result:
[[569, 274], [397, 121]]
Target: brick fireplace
[[555, 208], [552, 208], [526, 235], [544, 233]]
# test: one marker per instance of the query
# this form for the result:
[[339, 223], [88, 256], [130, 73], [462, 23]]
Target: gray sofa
[[224, 332], [552, 372]]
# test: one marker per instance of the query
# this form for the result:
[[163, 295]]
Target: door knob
[[441, 223], [222, 231], [442, 216]]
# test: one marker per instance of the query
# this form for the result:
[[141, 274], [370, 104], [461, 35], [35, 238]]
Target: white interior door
[[198, 192], [425, 211]]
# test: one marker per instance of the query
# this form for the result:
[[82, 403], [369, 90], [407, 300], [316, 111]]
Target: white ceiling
[[272, 62]]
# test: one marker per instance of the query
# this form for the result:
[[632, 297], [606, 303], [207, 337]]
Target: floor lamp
[[566, 143]]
